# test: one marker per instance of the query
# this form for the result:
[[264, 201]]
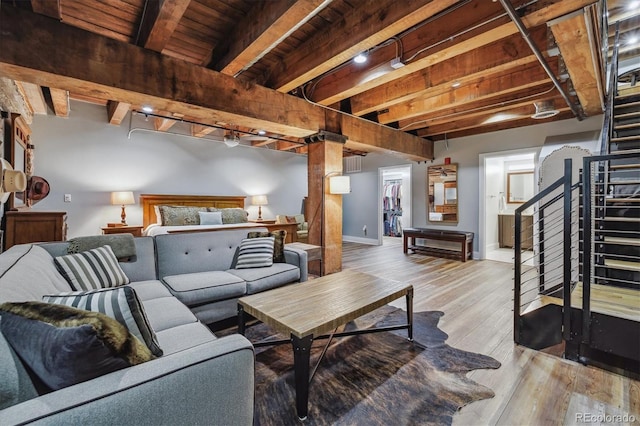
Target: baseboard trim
[[360, 240]]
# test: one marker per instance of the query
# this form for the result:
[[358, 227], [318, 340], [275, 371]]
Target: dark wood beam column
[[325, 210]]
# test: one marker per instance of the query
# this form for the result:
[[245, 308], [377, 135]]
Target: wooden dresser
[[34, 226]]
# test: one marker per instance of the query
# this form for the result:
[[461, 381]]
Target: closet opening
[[395, 202]]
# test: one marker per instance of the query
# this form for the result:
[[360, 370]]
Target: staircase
[[583, 294], [617, 232]]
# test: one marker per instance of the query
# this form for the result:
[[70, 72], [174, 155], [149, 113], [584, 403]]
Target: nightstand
[[135, 230]]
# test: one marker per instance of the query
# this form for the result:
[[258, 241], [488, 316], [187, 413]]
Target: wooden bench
[[465, 239]]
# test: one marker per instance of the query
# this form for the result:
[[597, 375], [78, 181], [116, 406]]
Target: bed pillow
[[278, 245], [234, 215], [92, 269], [210, 218], [119, 303], [68, 345], [180, 215], [255, 253]]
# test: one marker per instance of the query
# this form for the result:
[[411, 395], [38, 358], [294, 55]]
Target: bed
[[149, 203]]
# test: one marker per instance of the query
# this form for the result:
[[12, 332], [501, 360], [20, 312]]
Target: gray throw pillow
[[92, 269], [67, 345], [119, 303], [255, 253]]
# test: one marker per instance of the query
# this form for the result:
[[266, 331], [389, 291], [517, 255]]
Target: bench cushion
[[167, 312]]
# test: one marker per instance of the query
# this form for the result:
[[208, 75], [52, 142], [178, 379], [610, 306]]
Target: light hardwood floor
[[531, 387]]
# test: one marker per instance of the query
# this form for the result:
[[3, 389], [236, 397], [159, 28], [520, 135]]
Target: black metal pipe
[[525, 34]]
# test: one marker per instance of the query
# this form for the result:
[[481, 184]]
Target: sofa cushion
[[255, 253], [203, 287], [261, 279], [278, 245], [184, 336], [15, 386], [167, 312], [150, 289], [31, 264], [67, 345], [92, 269], [119, 303]]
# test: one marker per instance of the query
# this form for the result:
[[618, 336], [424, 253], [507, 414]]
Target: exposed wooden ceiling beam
[[199, 131], [482, 107], [127, 73], [579, 48], [302, 62], [501, 56], [483, 87], [60, 100], [159, 21], [368, 25], [523, 112], [50, 8], [267, 23], [116, 111], [452, 28], [33, 95], [12, 100]]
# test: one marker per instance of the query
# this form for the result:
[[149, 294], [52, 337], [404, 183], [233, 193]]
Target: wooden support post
[[325, 209]]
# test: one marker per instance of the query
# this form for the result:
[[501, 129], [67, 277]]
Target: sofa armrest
[[207, 382], [297, 257]]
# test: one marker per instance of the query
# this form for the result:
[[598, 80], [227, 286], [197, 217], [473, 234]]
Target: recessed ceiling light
[[632, 40], [360, 58], [147, 108], [455, 84], [633, 5], [262, 132]]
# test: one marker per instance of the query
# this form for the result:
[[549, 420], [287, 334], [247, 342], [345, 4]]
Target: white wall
[[88, 158], [463, 151]]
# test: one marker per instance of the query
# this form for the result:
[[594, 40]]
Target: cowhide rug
[[372, 379]]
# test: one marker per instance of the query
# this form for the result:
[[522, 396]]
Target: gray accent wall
[[86, 157], [361, 206]]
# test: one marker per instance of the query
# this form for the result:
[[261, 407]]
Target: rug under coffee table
[[310, 310]]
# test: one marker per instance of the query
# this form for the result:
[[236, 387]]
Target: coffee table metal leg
[[301, 350], [409, 298], [241, 320]]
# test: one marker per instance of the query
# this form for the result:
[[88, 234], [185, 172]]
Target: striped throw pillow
[[92, 269], [119, 303], [255, 253]]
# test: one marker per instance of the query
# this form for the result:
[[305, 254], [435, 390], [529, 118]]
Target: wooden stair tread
[[621, 241], [622, 264], [619, 219], [625, 138], [614, 301], [626, 115], [620, 101], [623, 200], [622, 181], [624, 166], [626, 126], [626, 151]]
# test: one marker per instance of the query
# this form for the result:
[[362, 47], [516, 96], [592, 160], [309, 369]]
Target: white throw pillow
[[210, 218]]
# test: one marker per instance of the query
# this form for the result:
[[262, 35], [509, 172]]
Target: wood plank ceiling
[[435, 69]]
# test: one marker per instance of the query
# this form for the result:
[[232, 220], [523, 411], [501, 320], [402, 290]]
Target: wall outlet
[[67, 198]]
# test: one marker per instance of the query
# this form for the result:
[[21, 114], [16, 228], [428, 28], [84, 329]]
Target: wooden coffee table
[[310, 310]]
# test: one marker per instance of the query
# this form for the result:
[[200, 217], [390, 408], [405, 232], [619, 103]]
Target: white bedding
[[156, 229]]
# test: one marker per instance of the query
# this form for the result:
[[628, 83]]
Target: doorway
[[394, 198], [496, 210]]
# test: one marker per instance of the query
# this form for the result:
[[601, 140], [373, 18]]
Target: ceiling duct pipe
[[525, 34]]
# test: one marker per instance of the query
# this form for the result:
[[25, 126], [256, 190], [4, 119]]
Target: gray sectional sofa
[[182, 281]]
